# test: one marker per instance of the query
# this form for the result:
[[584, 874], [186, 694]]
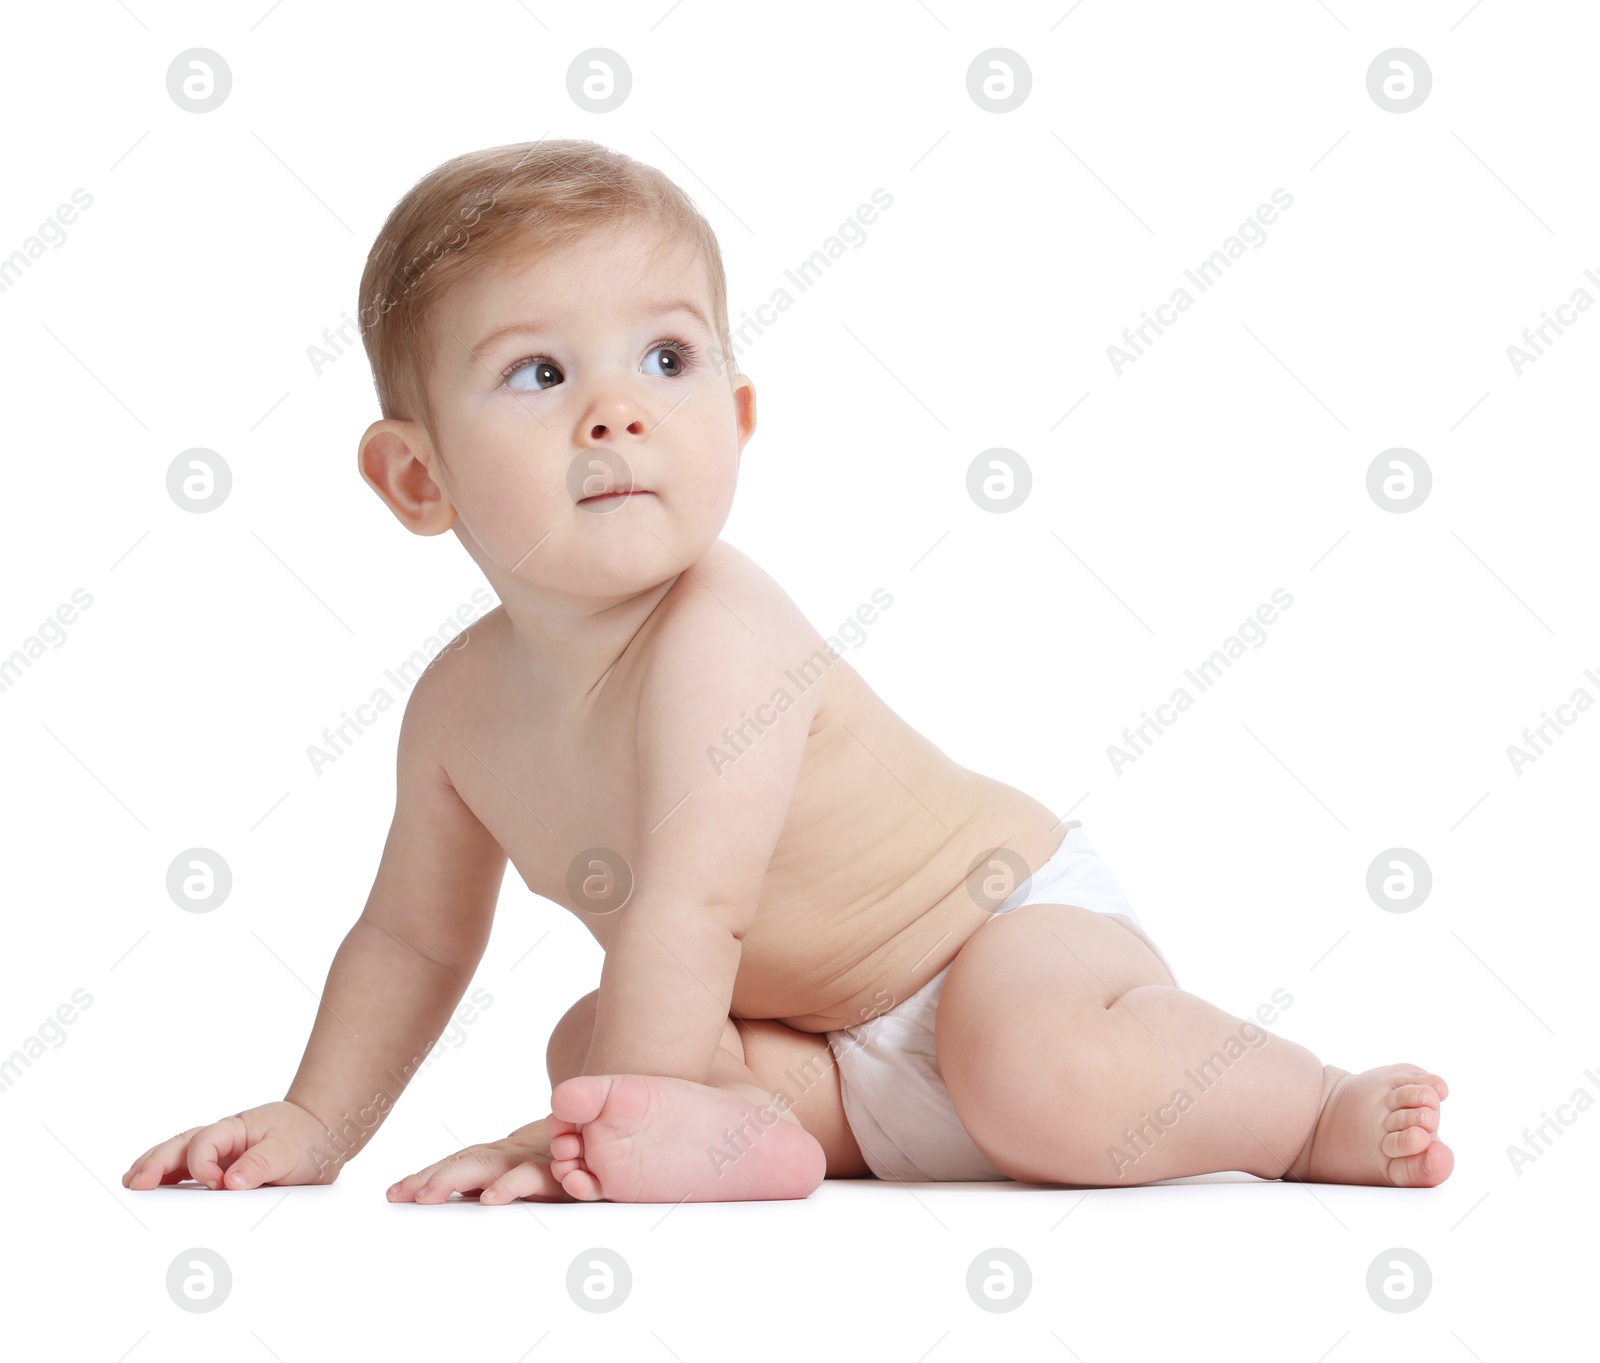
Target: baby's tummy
[[863, 928]]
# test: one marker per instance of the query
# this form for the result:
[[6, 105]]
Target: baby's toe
[[1413, 1095], [1401, 1118], [1426, 1169], [1418, 1074], [580, 1183], [1398, 1144]]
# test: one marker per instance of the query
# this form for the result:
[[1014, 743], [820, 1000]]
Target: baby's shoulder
[[728, 605], [725, 639], [458, 670]]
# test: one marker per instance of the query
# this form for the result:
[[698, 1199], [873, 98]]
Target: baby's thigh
[[801, 1065], [1025, 993], [1059, 956]]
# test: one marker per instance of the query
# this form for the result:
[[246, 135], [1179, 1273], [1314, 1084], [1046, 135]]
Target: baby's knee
[[568, 1046]]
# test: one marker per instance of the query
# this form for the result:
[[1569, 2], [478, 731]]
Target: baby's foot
[[654, 1138], [1377, 1127]]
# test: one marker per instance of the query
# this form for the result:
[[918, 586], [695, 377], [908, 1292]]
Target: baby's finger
[[528, 1179], [406, 1189], [160, 1163], [469, 1171], [215, 1147], [269, 1158]]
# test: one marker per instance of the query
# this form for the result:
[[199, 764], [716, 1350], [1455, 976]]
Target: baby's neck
[[566, 650]]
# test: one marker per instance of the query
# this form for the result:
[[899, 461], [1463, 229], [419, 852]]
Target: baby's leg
[[1071, 1057], [753, 1132], [801, 1066]]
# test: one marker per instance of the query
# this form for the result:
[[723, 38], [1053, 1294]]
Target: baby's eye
[[545, 375], [675, 358]]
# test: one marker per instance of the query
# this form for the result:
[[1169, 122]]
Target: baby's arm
[[410, 956], [394, 982], [707, 824]]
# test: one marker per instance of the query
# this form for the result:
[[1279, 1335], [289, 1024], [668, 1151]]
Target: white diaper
[[894, 1096]]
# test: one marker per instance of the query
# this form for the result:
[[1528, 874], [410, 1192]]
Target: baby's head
[[546, 322]]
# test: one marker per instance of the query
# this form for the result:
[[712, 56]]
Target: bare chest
[[559, 798], [863, 895]]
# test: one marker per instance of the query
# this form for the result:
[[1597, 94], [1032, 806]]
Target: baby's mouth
[[616, 494]]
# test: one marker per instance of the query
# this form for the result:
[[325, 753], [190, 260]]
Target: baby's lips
[[620, 488]]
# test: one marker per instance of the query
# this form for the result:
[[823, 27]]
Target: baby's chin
[[617, 569], [612, 547]]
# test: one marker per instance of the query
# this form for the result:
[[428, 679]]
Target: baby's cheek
[[711, 478], [511, 510]]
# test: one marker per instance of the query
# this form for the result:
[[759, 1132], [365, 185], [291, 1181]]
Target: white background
[[1227, 461]]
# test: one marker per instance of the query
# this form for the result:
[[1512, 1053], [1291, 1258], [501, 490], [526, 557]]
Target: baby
[[829, 949]]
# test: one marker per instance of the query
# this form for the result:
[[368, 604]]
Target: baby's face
[[558, 380]]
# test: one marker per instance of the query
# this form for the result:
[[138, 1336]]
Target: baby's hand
[[499, 1172], [274, 1143]]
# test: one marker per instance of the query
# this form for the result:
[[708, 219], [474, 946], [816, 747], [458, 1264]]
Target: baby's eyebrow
[[534, 328]]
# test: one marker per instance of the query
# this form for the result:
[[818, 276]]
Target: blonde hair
[[483, 208]]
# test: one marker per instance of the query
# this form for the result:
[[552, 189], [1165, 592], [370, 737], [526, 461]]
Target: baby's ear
[[394, 458], [744, 407]]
